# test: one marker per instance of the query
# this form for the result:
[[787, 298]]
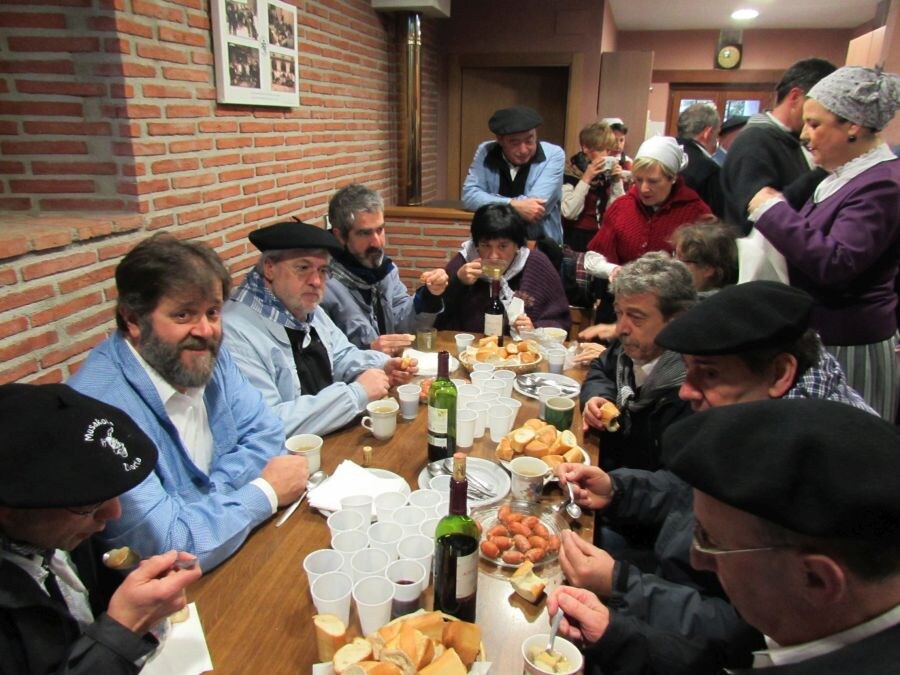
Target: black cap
[[816, 467], [739, 318], [293, 234], [733, 122], [62, 448], [514, 120]]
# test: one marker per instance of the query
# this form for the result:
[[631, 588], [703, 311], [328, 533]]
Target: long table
[[256, 609]]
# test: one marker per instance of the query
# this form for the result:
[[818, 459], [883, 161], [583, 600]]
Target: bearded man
[[222, 466]]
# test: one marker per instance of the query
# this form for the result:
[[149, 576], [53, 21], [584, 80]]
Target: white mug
[[382, 418]]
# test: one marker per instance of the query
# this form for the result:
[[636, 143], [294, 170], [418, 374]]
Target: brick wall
[[109, 130]]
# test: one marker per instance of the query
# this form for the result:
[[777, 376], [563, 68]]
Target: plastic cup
[[465, 428], [527, 478], [463, 341], [331, 595], [341, 521], [479, 377], [408, 579], [409, 518], [321, 562], [465, 394], [427, 527], [369, 562], [507, 377], [373, 597], [483, 367], [348, 543], [556, 360], [494, 386], [544, 392], [425, 499], [425, 339], [560, 411], [500, 421], [440, 483], [409, 400], [308, 446], [481, 409], [362, 504], [420, 548], [384, 536], [386, 503], [458, 382]]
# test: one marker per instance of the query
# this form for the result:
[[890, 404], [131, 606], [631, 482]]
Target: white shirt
[[776, 655], [642, 371]]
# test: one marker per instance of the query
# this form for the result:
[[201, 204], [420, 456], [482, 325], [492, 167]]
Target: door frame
[[572, 61], [718, 94]]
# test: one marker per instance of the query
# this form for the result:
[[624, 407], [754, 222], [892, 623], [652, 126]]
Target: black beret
[[293, 234], [514, 120], [733, 122], [816, 467], [62, 448], [754, 315]]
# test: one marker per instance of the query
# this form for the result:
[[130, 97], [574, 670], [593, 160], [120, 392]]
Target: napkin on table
[[352, 479]]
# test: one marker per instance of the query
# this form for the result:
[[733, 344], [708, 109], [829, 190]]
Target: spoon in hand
[[313, 481], [554, 629], [572, 508]]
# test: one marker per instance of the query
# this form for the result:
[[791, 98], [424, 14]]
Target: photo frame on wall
[[255, 47]]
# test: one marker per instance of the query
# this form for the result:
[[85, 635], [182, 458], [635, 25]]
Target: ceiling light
[[744, 14]]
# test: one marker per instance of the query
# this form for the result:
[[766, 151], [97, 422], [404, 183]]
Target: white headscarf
[[665, 150]]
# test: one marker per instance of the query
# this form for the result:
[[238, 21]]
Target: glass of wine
[[492, 269]]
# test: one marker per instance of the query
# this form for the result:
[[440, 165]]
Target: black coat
[[702, 174], [38, 635]]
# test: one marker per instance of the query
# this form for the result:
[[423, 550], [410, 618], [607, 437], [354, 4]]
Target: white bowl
[[561, 645], [551, 335]]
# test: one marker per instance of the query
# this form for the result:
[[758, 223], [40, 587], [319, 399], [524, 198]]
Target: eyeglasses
[[702, 544], [87, 511], [302, 270]]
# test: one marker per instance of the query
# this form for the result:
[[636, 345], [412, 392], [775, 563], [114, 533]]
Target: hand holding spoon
[[313, 481]]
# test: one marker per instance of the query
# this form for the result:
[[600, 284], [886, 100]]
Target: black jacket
[[38, 635], [702, 174]]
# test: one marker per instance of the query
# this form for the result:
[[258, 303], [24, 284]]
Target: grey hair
[[350, 200], [695, 118], [663, 276]]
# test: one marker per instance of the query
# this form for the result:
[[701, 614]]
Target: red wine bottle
[[495, 315]]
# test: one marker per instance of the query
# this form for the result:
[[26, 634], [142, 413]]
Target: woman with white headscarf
[[843, 245]]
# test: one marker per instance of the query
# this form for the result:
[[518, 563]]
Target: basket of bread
[[520, 357], [428, 643], [536, 438]]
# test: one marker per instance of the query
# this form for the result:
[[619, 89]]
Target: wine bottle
[[442, 412], [456, 551], [495, 313]]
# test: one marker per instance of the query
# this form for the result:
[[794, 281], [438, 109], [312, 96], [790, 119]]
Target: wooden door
[[625, 79]]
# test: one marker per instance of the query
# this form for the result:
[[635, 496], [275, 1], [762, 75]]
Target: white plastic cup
[[321, 562], [384, 536], [440, 483], [465, 428], [544, 392], [408, 579], [409, 400], [560, 645], [483, 367], [331, 595], [507, 377], [381, 419], [308, 446], [479, 377], [348, 543], [500, 421], [409, 518], [373, 597], [386, 503], [458, 382], [556, 360], [417, 547], [463, 341], [362, 504], [341, 521], [369, 562], [494, 386], [425, 499], [427, 527], [481, 409], [466, 394]]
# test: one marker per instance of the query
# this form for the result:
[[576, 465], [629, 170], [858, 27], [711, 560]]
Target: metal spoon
[[127, 559], [554, 629], [438, 468], [313, 481], [472, 479], [572, 508]]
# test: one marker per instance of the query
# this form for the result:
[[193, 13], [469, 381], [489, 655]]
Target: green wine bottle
[[442, 412], [456, 552]]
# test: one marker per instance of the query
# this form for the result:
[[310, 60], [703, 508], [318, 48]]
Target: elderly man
[[366, 298], [518, 170], [698, 133], [637, 375], [304, 366], [221, 469], [748, 342], [64, 461], [768, 151]]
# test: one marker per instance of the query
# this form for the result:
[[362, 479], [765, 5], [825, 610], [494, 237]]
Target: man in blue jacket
[[518, 170]]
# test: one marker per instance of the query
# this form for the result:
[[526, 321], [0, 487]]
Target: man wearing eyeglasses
[[286, 345], [64, 460], [222, 468]]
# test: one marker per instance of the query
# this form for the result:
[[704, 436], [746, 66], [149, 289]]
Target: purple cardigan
[[844, 251], [538, 284]]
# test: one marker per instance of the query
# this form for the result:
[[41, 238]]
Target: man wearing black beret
[[64, 460], [518, 170], [307, 370]]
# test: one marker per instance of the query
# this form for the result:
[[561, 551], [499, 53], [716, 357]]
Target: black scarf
[[312, 362]]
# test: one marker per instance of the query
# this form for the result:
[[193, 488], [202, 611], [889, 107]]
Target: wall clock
[[728, 57]]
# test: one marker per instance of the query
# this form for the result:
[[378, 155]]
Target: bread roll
[[331, 635], [465, 638], [521, 437], [553, 461], [547, 435], [352, 652], [574, 456], [373, 668], [414, 643], [528, 357], [537, 449], [430, 623], [609, 414], [535, 423], [526, 583], [567, 440], [484, 353], [489, 340], [449, 663], [504, 449]]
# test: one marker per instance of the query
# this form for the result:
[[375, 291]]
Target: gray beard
[[165, 359]]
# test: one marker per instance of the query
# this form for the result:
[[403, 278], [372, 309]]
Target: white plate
[[552, 477], [381, 473], [428, 361], [552, 378], [486, 471]]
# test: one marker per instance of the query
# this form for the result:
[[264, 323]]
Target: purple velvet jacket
[[538, 284], [845, 251]]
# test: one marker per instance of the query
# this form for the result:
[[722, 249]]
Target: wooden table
[[256, 608]]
